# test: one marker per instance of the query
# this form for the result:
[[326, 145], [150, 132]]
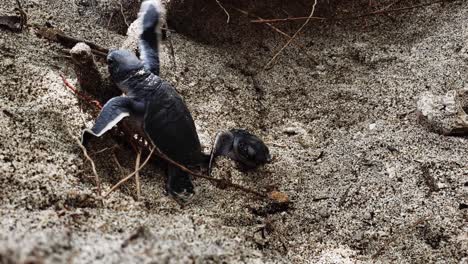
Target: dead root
[[138, 168], [56, 35]]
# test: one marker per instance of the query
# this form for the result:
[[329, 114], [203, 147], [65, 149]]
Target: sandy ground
[[368, 183]]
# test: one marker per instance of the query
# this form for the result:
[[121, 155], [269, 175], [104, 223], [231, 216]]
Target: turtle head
[[122, 64], [246, 149], [249, 150]]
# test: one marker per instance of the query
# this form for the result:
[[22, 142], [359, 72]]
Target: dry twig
[[378, 12], [172, 51], [225, 11], [294, 36], [123, 15], [105, 149], [93, 165], [118, 164], [217, 182], [60, 37], [137, 175], [288, 19], [131, 174], [275, 29], [386, 11], [82, 96]]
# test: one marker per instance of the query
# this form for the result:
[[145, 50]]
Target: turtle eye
[[110, 60]]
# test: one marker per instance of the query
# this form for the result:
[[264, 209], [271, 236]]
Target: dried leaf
[[278, 197]]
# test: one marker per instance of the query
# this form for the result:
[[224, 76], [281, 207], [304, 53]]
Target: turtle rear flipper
[[150, 14], [179, 184], [112, 113]]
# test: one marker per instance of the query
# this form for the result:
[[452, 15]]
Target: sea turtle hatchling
[[152, 103]]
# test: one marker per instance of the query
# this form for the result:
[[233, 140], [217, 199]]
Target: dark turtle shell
[[170, 126]]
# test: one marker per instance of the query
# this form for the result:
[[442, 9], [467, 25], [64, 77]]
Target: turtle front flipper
[[113, 111], [150, 14], [222, 146], [246, 149]]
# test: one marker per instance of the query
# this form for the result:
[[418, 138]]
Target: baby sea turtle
[[243, 147], [153, 103]]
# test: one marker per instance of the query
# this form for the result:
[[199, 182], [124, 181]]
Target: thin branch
[[383, 11], [123, 15], [93, 166], [378, 12], [213, 180], [268, 24], [60, 37], [225, 11], [118, 164], [137, 175], [105, 149], [275, 29], [131, 174], [392, 4], [293, 37], [288, 19], [81, 95], [172, 51]]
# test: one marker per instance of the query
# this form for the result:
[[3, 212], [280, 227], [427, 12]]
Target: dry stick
[[82, 96], [105, 149], [383, 11], [216, 181], [390, 5], [110, 19], [118, 164], [123, 15], [137, 174], [275, 29], [268, 24], [378, 12], [219, 182], [225, 11], [276, 20], [172, 51], [93, 166], [131, 174], [293, 37], [57, 36]]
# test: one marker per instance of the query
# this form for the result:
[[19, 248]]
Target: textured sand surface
[[365, 178]]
